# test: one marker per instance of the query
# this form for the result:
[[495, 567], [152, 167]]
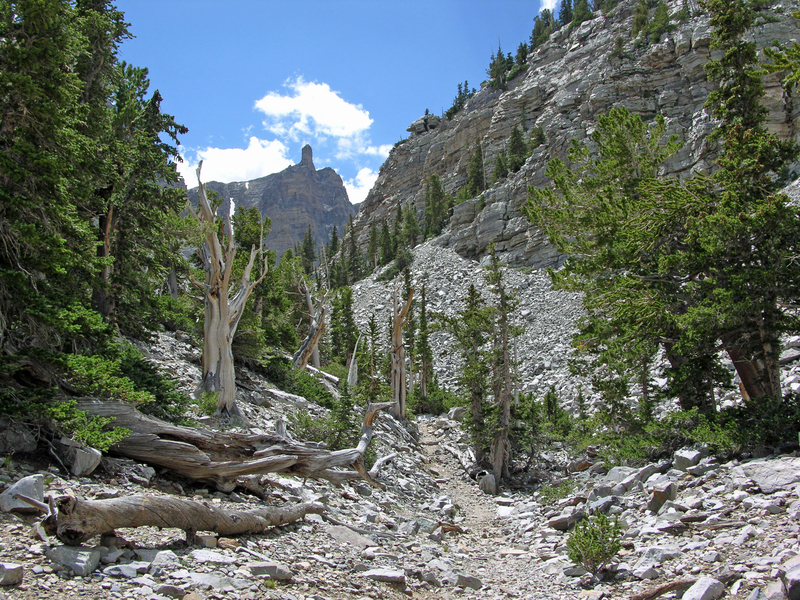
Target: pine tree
[[387, 245], [500, 454], [354, 262], [476, 182], [372, 246], [641, 17], [343, 325], [437, 204], [498, 67], [500, 166], [517, 150], [411, 228], [333, 247], [581, 13], [308, 252], [565, 13]]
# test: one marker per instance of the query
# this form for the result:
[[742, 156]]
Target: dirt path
[[484, 550]]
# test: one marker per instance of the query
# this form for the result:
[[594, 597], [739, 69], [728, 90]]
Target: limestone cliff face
[[571, 80], [293, 199]]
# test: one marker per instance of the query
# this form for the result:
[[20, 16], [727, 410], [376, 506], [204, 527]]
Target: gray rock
[[171, 591], [10, 573], [775, 590], [273, 569], [16, 437], [385, 575], [165, 559], [792, 580], [773, 475], [345, 535], [757, 594], [468, 581], [82, 561], [31, 486], [457, 413], [220, 583], [488, 485], [209, 556], [706, 588], [661, 493], [685, 458]]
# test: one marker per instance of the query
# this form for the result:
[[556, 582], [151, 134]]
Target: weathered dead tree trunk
[[220, 458], [312, 314], [398, 354], [309, 346], [223, 305], [75, 520]]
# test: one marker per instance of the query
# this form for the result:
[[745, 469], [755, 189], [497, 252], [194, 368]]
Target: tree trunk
[[220, 458], [222, 310], [311, 315], [77, 521], [103, 296], [398, 380], [310, 343]]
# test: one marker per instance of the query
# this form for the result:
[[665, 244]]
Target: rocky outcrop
[[571, 79], [293, 199]]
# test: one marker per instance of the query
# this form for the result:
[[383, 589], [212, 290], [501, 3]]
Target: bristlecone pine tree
[[223, 304]]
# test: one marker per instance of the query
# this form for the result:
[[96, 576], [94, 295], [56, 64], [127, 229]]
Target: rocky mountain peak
[[294, 199]]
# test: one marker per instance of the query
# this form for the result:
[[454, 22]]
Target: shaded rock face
[[572, 79], [293, 199]]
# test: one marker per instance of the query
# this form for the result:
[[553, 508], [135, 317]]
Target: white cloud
[[260, 158], [358, 187], [312, 109], [551, 4]]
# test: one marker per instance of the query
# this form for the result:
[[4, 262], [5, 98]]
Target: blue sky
[[255, 80]]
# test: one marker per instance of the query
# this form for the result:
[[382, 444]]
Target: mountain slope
[[571, 79]]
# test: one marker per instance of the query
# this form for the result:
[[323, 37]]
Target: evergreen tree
[[500, 166], [437, 205], [641, 17], [500, 454], [498, 67], [333, 247], [411, 229], [308, 252], [565, 13], [476, 182], [354, 262], [397, 231], [581, 13], [543, 26], [517, 150], [522, 54], [372, 246], [387, 245], [343, 325]]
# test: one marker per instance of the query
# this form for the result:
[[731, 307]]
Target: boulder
[[685, 458], [773, 475], [31, 486], [10, 573], [82, 561], [271, 569], [792, 580], [16, 437], [706, 588], [661, 493]]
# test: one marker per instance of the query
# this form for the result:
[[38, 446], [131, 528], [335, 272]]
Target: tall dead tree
[[399, 320], [224, 303], [313, 315]]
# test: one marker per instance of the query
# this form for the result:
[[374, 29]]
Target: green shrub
[[594, 542], [554, 493], [83, 427], [282, 373]]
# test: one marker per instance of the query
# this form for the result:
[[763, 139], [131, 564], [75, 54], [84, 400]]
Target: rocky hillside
[[721, 529], [293, 199], [571, 79]]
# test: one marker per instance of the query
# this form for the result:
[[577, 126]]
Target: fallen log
[[74, 521], [221, 457], [672, 586]]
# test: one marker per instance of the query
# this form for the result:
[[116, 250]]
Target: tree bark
[[222, 309], [311, 315], [220, 458], [398, 380], [309, 346], [77, 521]]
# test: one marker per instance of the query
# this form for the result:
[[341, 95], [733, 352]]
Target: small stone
[[792, 580], [209, 556], [347, 536], [706, 588], [468, 581], [272, 569], [661, 493], [10, 573], [31, 486], [206, 541], [82, 561], [386, 575], [685, 458]]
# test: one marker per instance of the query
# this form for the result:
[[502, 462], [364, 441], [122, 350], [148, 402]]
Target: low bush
[[594, 543]]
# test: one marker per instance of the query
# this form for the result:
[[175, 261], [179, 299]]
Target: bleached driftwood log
[[74, 521], [220, 458]]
